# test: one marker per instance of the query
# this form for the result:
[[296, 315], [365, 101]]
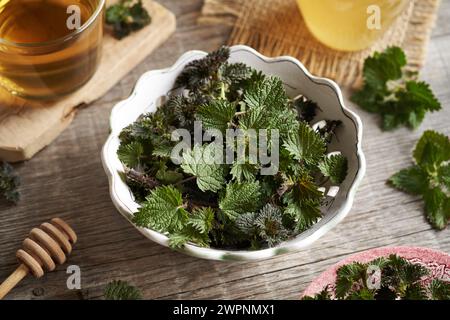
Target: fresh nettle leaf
[[196, 230], [202, 220], [393, 92], [217, 115], [9, 183], [400, 280], [440, 290], [130, 154], [265, 226], [432, 150], [200, 162], [199, 75], [126, 17], [429, 177], [269, 225], [303, 202], [413, 180], [163, 211], [267, 107], [240, 198], [306, 145], [204, 202], [121, 290], [166, 176], [335, 167], [243, 172]]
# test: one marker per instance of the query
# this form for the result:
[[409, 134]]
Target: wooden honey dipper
[[45, 247]]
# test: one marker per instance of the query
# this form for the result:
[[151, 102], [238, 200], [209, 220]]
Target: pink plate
[[436, 261]]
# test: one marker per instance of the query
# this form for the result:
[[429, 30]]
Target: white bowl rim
[[241, 255]]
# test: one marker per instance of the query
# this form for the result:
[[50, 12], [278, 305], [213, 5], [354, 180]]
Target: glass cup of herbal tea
[[49, 48], [350, 25]]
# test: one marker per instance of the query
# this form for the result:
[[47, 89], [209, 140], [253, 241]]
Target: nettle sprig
[[429, 177], [9, 183], [385, 278], [127, 16], [393, 92], [229, 205], [121, 290]]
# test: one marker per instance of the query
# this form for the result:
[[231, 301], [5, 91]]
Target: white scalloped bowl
[[155, 84]]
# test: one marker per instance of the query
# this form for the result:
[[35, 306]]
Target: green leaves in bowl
[[254, 177]]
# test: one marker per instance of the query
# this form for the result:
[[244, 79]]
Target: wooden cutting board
[[27, 127]]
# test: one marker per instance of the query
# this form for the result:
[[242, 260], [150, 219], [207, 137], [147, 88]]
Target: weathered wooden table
[[67, 180]]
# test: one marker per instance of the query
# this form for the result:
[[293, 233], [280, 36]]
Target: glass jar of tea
[[49, 48], [350, 25]]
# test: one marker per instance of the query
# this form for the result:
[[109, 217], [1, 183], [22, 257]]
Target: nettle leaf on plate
[[199, 162], [429, 177], [400, 280]]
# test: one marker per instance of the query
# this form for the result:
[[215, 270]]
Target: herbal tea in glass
[[350, 25], [49, 48]]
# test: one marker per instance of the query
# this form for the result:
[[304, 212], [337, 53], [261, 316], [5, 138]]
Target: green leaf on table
[[429, 177], [437, 208], [121, 290], [432, 149], [393, 92], [412, 180]]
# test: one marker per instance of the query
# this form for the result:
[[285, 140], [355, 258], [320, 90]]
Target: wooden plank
[[26, 127], [67, 179]]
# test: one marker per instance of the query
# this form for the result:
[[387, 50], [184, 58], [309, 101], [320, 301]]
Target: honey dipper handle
[[13, 279]]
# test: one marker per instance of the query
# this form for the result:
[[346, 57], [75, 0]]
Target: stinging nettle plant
[[393, 92], [397, 279], [229, 205]]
